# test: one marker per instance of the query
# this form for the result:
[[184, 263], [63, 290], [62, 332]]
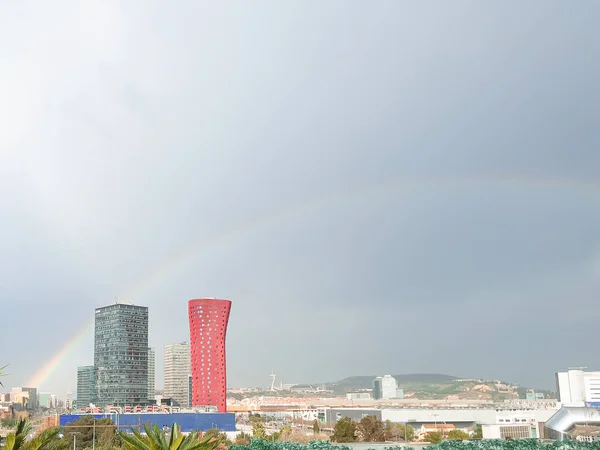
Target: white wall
[[425, 415], [490, 431], [483, 416], [575, 387]]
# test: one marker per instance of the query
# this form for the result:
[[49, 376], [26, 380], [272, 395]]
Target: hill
[[426, 386], [355, 383]]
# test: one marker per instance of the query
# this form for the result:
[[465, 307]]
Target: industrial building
[[121, 355], [510, 420], [177, 372], [208, 330], [579, 397]]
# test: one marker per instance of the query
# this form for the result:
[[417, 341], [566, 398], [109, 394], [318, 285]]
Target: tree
[[435, 437], [458, 435], [410, 433], [275, 436], [256, 418], [316, 427], [285, 433], [105, 432], [46, 440], [258, 430], [215, 433], [397, 431], [478, 433], [371, 429], [242, 439], [155, 439], [9, 422], [344, 431]]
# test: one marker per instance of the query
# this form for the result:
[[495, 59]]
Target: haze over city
[[379, 188]]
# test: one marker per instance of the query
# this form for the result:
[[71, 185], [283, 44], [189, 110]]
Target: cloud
[[378, 188]]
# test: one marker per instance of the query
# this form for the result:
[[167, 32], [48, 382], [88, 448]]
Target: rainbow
[[272, 218], [46, 370]]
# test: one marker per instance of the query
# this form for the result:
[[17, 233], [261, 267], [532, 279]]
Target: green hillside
[[427, 386], [352, 384]]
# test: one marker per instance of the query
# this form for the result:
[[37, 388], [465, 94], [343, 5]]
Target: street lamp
[[435, 416], [75, 433]]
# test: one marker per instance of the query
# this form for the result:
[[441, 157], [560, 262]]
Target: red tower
[[208, 329]]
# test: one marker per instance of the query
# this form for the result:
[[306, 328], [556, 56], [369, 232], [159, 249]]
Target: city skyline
[[264, 383], [424, 180]]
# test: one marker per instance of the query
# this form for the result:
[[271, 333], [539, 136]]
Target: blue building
[[187, 421]]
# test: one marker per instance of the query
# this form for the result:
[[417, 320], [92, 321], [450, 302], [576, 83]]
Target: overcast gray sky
[[379, 187]]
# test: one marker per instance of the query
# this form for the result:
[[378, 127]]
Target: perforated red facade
[[208, 330]]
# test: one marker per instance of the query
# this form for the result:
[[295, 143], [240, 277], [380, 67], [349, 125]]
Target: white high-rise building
[[151, 373], [578, 388], [389, 387], [177, 371]]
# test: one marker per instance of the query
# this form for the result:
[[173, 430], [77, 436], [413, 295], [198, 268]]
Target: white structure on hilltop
[[386, 388], [177, 371], [578, 388], [389, 387], [151, 373]]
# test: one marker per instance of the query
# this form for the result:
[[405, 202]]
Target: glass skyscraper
[[85, 386], [121, 355]]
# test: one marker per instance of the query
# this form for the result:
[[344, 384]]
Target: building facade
[[121, 355], [45, 400], [176, 373], [578, 388], [151, 373], [377, 388], [208, 332], [26, 397], [85, 386], [389, 387]]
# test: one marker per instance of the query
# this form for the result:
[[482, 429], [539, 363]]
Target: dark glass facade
[[208, 330], [377, 388], [85, 386], [121, 355]]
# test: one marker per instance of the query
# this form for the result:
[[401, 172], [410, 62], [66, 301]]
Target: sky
[[379, 187]]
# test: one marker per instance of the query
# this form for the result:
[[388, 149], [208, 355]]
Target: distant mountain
[[366, 382]]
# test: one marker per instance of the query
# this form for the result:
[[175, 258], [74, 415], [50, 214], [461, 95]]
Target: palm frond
[[205, 443], [15, 441], [135, 441], [156, 437], [2, 374], [43, 441], [23, 428], [176, 437]]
